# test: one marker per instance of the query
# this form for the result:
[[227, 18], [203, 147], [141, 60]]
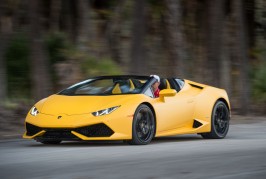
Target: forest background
[[47, 45]]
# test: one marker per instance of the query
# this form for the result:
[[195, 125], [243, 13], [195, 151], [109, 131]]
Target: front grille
[[96, 130], [32, 130], [58, 134]]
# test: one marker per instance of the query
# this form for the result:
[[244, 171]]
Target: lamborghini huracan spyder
[[124, 108]]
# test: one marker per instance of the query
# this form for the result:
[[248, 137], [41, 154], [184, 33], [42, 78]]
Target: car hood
[[73, 105]]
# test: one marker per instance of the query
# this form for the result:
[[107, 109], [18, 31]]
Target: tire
[[143, 127], [50, 141], [219, 122]]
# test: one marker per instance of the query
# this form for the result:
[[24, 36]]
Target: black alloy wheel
[[143, 129], [219, 122]]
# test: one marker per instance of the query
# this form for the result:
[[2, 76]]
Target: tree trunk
[[225, 65], [174, 37], [201, 54], [41, 82], [84, 30], [138, 60], [226, 51], [214, 40], [3, 76], [55, 11], [5, 31], [242, 55], [3, 71], [114, 33], [68, 20], [250, 21]]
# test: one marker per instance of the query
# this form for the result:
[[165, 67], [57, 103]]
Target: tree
[[226, 64], [215, 22], [174, 37], [114, 32], [138, 60], [68, 21], [241, 47], [55, 11], [41, 82], [5, 31], [84, 29]]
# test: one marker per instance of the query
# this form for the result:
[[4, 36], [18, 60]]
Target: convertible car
[[124, 108]]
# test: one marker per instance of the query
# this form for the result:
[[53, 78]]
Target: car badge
[[59, 117]]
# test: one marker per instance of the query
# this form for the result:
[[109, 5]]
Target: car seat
[[164, 84]]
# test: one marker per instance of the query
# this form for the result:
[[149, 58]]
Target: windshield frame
[[74, 87]]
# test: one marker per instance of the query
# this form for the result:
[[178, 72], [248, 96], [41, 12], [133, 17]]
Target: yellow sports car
[[125, 108]]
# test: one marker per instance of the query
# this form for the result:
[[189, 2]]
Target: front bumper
[[78, 127]]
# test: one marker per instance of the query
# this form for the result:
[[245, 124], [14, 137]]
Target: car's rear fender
[[204, 105]]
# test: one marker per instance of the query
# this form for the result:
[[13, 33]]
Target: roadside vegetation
[[47, 45]]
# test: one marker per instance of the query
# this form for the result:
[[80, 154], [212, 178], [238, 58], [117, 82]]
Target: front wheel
[[143, 128], [219, 122]]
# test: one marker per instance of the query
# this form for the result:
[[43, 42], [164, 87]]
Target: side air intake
[[197, 124], [196, 86]]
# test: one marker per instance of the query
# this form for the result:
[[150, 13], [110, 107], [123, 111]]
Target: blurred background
[[47, 45]]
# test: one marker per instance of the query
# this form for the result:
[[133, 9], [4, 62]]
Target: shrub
[[18, 67], [259, 83]]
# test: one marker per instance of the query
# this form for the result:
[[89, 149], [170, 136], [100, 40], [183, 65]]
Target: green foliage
[[95, 67], [157, 6], [56, 43], [15, 103], [17, 59], [60, 50], [259, 83]]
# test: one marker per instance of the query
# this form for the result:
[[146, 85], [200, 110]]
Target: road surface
[[241, 155]]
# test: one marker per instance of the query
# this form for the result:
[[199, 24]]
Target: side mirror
[[167, 93]]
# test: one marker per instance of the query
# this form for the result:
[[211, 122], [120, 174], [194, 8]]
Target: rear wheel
[[143, 128], [219, 122]]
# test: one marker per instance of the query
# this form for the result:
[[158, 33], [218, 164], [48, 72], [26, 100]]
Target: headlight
[[34, 111], [105, 111]]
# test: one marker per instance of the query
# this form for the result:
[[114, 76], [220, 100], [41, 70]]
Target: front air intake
[[64, 134], [96, 130], [32, 130]]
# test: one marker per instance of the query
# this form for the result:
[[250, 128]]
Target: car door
[[175, 111]]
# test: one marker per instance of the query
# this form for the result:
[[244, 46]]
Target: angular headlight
[[105, 111], [34, 111]]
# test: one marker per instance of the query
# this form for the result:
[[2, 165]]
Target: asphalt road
[[241, 155]]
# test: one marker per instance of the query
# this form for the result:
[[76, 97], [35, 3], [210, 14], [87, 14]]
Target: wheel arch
[[205, 102], [213, 133], [225, 102], [153, 111], [227, 105]]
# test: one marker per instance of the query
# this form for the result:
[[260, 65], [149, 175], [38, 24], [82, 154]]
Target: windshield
[[107, 86]]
